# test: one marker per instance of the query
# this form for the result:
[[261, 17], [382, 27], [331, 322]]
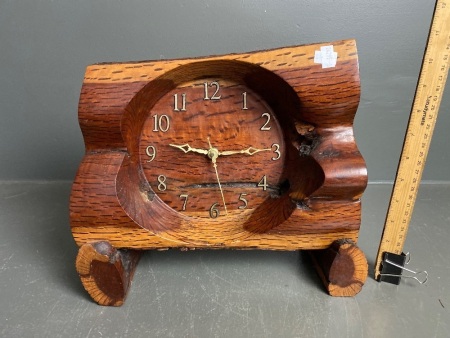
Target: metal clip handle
[[420, 276]]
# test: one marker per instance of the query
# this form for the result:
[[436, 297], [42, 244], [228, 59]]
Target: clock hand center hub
[[213, 153]]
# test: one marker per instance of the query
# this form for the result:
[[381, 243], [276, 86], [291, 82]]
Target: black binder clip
[[392, 267]]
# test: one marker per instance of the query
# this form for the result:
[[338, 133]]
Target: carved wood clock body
[[251, 150]]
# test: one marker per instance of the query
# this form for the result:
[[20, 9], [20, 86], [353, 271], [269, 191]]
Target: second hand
[[213, 153]]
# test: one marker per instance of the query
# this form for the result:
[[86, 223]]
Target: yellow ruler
[[417, 141]]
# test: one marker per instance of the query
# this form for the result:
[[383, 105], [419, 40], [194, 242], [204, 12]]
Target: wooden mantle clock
[[240, 151]]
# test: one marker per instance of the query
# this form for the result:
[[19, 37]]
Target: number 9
[[151, 152]]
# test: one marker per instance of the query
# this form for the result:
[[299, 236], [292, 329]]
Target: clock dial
[[212, 148]]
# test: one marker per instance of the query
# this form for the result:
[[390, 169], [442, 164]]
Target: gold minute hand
[[187, 148], [249, 151]]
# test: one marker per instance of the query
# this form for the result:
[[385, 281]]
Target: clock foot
[[342, 267], [106, 272]]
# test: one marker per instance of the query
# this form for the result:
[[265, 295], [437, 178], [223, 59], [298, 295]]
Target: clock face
[[213, 149]]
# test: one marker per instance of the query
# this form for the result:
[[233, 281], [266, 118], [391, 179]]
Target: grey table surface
[[217, 293]]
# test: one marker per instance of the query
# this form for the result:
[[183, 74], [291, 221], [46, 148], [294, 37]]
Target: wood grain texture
[[114, 196], [342, 267], [328, 97], [105, 272]]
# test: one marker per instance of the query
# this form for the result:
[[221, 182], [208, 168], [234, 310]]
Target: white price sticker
[[326, 56]]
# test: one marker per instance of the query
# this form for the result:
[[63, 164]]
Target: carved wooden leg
[[106, 272], [342, 267]]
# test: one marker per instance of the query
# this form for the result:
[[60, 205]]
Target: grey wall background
[[45, 46]]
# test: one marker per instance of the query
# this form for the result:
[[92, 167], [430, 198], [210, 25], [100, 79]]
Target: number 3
[[276, 151]]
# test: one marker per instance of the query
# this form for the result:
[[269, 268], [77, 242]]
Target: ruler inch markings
[[422, 120]]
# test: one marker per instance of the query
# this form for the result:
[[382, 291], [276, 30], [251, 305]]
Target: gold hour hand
[[249, 151], [187, 148]]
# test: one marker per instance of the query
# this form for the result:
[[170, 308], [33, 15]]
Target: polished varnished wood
[[314, 187]]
